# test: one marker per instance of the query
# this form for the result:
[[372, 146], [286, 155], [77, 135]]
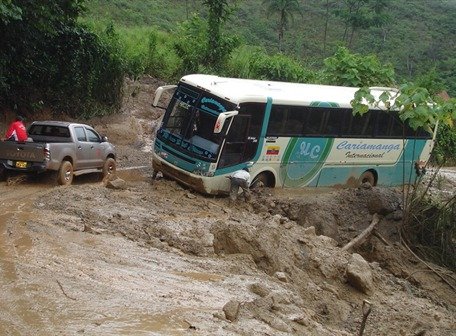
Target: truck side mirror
[[221, 120]]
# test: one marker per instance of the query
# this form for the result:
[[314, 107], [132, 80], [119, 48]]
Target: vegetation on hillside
[[414, 36], [49, 60]]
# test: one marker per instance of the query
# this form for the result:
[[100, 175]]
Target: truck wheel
[[109, 167], [3, 175], [65, 174]]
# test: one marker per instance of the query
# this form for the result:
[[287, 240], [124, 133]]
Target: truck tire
[[3, 175], [65, 173], [109, 167]]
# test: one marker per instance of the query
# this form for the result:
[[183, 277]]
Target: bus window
[[333, 119], [294, 123], [396, 126], [358, 125], [177, 121], [313, 121], [277, 122]]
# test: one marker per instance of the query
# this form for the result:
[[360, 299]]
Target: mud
[[156, 258]]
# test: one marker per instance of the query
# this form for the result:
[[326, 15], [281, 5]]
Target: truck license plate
[[21, 164]]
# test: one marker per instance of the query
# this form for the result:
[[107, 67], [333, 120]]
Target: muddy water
[[57, 279], [15, 242]]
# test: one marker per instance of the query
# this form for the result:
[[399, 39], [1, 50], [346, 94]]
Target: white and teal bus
[[290, 135]]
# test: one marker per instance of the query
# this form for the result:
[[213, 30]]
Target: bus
[[290, 135]]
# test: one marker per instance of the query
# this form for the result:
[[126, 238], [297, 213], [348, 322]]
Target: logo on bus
[[308, 149], [303, 159]]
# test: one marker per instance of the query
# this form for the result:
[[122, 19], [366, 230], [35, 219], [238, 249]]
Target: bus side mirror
[[159, 92], [221, 120]]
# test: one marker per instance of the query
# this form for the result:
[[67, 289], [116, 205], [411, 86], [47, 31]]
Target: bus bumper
[[214, 185]]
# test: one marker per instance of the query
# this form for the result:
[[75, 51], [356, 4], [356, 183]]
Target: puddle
[[7, 268]]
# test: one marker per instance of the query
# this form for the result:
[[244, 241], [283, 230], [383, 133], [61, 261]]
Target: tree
[[285, 9], [361, 14], [218, 45], [48, 60], [344, 68]]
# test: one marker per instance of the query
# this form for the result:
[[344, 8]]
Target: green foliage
[[361, 14], [51, 61], [347, 69], [190, 44], [219, 45], [9, 11], [413, 35], [285, 10], [279, 68], [445, 148], [431, 231]]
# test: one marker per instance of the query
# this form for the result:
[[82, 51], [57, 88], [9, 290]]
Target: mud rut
[[158, 259]]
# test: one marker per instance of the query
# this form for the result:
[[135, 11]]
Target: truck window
[[80, 133], [93, 137]]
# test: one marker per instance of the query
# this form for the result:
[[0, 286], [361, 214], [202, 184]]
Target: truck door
[[83, 150], [96, 158]]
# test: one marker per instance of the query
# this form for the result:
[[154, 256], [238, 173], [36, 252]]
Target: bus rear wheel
[[367, 177]]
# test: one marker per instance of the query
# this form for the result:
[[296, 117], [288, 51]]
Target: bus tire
[[368, 177], [65, 173], [260, 181], [109, 167]]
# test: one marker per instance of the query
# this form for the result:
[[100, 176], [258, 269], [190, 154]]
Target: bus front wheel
[[368, 177], [261, 180]]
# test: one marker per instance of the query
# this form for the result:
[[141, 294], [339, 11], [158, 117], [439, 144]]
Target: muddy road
[[154, 258]]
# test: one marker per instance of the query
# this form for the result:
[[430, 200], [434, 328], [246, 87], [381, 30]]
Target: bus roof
[[239, 90]]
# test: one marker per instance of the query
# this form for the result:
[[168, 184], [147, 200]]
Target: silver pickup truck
[[68, 148]]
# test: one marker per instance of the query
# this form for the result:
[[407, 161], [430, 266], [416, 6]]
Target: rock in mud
[[383, 202], [231, 310], [117, 183], [259, 289], [359, 274]]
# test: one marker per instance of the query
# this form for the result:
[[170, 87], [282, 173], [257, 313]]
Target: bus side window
[[313, 121], [294, 123], [277, 121], [333, 119], [383, 124], [359, 125]]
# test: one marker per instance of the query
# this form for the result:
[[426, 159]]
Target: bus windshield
[[190, 123]]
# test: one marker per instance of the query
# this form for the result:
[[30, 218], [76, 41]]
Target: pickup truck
[[69, 149]]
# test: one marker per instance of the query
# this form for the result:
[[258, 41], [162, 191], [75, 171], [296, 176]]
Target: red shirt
[[17, 131]]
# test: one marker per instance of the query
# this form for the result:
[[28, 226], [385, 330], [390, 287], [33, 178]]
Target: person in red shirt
[[17, 131]]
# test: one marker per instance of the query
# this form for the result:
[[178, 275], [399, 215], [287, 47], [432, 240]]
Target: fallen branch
[[362, 237], [380, 237], [367, 307]]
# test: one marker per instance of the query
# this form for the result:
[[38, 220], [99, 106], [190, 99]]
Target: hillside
[[417, 36]]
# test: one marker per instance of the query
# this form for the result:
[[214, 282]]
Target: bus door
[[238, 147]]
